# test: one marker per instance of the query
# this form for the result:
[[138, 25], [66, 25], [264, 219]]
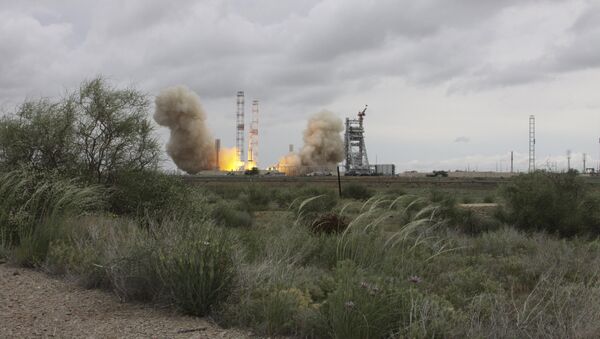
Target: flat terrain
[[474, 188], [32, 304]]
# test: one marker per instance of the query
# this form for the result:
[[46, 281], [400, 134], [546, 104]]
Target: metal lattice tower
[[239, 138], [357, 161], [531, 143], [253, 137]]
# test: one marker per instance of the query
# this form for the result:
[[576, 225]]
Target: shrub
[[278, 310], [259, 197], [254, 198], [356, 191], [155, 195], [92, 132], [448, 206], [473, 222], [552, 202], [197, 268], [488, 199], [226, 214], [277, 299]]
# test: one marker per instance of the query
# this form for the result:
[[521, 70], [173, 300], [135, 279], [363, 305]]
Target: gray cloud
[[296, 56], [234, 44]]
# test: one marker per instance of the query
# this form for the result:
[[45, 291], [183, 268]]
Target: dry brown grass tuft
[[328, 223]]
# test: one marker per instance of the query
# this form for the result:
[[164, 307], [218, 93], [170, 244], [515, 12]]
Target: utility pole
[[511, 162], [584, 156], [568, 160]]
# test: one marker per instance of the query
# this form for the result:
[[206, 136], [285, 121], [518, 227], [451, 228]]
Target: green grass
[[34, 207], [396, 264]]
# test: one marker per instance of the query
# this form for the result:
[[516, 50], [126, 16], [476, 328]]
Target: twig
[[199, 329]]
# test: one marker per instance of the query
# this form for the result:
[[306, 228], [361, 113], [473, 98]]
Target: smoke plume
[[323, 144], [191, 145]]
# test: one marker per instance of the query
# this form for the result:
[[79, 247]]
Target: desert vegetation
[[298, 262]]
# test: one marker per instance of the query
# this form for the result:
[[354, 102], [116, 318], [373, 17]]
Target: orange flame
[[289, 164], [228, 160]]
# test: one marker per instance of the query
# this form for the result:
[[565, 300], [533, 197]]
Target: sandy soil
[[32, 304]]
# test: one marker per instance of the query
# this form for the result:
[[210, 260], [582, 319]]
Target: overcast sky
[[450, 84]]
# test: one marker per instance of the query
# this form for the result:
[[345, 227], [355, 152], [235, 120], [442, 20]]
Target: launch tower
[[253, 137], [357, 162], [239, 139]]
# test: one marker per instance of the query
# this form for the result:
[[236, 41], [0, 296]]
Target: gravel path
[[32, 304]]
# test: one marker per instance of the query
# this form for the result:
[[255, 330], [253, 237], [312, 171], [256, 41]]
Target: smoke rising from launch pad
[[323, 145], [191, 145]]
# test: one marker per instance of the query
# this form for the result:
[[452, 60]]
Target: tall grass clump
[[196, 266], [389, 227], [307, 208], [557, 203], [360, 308], [34, 207], [178, 262]]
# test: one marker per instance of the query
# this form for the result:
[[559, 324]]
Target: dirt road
[[32, 304]]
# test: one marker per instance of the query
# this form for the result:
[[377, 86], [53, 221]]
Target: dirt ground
[[32, 304]]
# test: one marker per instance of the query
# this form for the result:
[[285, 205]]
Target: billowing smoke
[[323, 144], [191, 145]]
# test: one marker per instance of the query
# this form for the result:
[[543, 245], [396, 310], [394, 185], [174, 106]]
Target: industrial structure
[[357, 162], [239, 140], [217, 151], [355, 149], [531, 143], [253, 137]]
